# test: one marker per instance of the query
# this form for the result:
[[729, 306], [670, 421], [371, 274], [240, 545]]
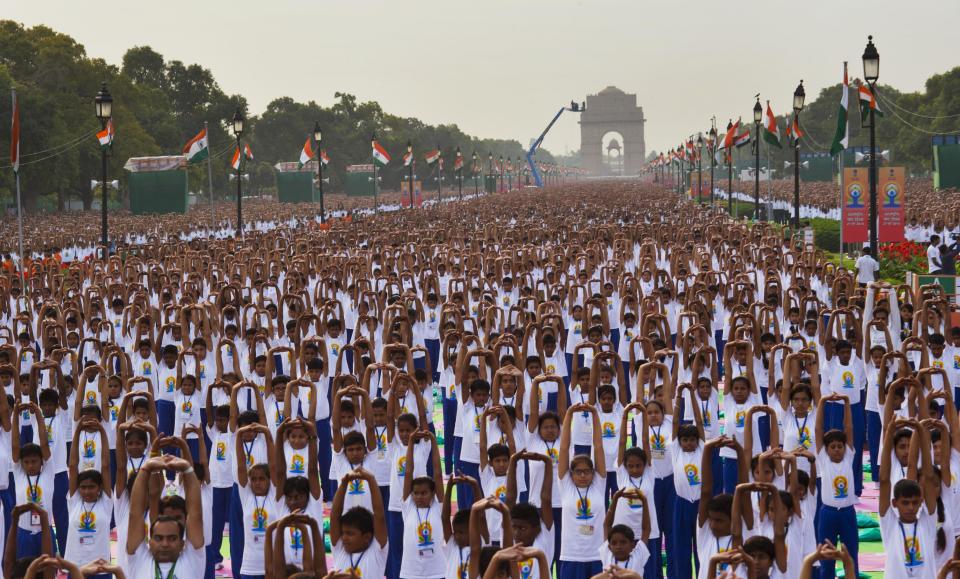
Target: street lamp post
[[475, 169], [317, 134], [713, 156], [410, 178], [757, 116], [799, 96], [237, 132], [439, 175], [104, 105], [871, 72], [729, 155], [501, 173], [459, 165], [490, 172], [700, 168]]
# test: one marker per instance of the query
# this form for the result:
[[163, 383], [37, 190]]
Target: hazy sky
[[502, 68]]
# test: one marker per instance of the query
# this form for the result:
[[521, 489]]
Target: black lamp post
[[729, 155], [459, 165], [104, 105], [679, 170], [700, 168], [237, 132], [713, 155], [490, 172], [439, 174], [757, 117], [410, 178], [501, 172], [317, 135], [799, 96], [871, 72], [476, 174]]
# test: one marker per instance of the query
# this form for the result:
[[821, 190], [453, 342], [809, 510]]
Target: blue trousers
[[664, 499], [61, 515], [236, 532], [684, 523], [557, 531], [221, 506], [874, 434], [612, 488], [325, 458], [433, 347], [631, 395], [615, 338], [395, 544], [721, 344], [28, 544], [165, 417], [8, 498], [465, 498], [449, 422], [839, 524], [654, 567], [730, 475], [833, 419], [578, 569]]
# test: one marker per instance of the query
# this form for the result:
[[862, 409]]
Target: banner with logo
[[856, 205], [891, 199], [405, 193]]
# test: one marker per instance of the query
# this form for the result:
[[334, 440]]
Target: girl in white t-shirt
[[257, 501], [90, 505], [424, 556], [582, 488]]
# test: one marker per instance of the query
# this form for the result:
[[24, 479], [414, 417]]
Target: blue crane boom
[[575, 108]]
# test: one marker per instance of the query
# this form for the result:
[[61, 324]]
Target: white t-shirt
[[58, 432], [358, 491], [222, 473], [837, 479], [583, 511], [423, 550], [293, 539], [89, 536], [189, 565], [539, 446], [258, 512], [734, 416], [370, 563], [910, 547], [867, 268], [933, 255], [297, 460], [470, 448], [629, 511], [187, 411], [709, 545], [686, 470], [36, 489], [398, 452], [635, 562], [458, 560]]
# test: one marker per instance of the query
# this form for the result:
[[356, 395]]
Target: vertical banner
[[405, 194], [891, 191], [856, 210]]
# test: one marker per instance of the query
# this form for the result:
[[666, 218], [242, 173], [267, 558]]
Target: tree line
[[160, 104]]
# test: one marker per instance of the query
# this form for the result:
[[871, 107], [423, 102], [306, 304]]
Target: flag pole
[[840, 166], [16, 174], [213, 211], [376, 204]]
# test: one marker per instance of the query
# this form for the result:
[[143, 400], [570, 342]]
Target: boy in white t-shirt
[[908, 522], [359, 538], [835, 451]]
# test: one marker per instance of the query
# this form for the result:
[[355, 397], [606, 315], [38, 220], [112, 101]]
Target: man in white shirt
[[867, 267], [173, 551], [933, 255]]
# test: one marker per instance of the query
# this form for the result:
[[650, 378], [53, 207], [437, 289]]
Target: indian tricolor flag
[[407, 159], [235, 161], [323, 157], [458, 163], [306, 154], [380, 155], [432, 157], [742, 139], [867, 101], [196, 148], [105, 137], [771, 131], [842, 136]]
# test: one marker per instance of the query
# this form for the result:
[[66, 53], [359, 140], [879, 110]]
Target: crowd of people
[[593, 380]]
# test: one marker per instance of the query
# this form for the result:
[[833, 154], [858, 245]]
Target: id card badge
[[34, 520], [586, 530], [381, 455], [259, 538], [86, 541], [426, 553]]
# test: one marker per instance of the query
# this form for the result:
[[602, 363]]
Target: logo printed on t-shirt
[[608, 430], [88, 522], [583, 509], [693, 475], [840, 487], [424, 534]]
